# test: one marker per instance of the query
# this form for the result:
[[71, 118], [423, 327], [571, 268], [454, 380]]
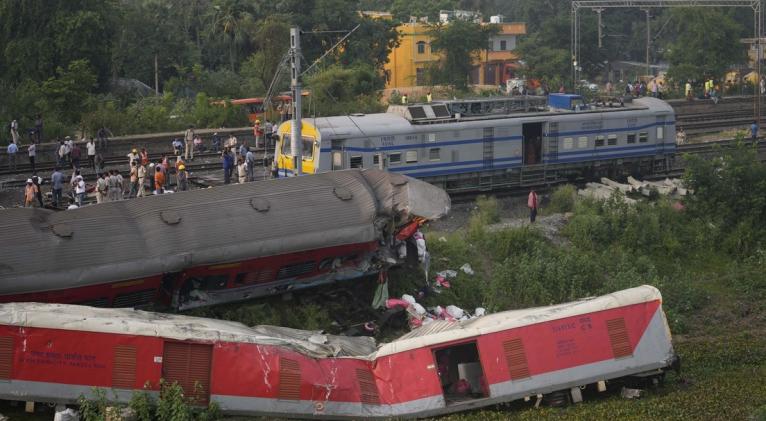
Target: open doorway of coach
[[460, 373], [532, 135]]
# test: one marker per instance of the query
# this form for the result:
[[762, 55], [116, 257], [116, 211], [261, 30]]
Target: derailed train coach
[[210, 246], [56, 352]]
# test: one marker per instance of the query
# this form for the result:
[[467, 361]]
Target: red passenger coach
[[210, 246], [56, 352]]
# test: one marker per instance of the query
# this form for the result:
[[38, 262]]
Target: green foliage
[[485, 213], [338, 90], [730, 198], [141, 404], [458, 43], [707, 43], [562, 199], [68, 92], [93, 408]]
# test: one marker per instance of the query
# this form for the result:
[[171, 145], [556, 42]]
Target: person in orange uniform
[[159, 180]]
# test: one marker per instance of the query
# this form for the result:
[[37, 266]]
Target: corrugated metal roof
[[132, 239]]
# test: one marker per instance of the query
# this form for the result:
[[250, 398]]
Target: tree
[[706, 44], [38, 36], [68, 93], [458, 43], [341, 90]]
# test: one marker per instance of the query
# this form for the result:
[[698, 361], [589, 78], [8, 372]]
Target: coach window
[[660, 132], [611, 140], [643, 137], [411, 157], [356, 162], [395, 158], [568, 143], [582, 142], [434, 154], [308, 148], [599, 141], [631, 138]]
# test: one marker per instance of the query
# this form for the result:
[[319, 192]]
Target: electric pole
[[296, 141]]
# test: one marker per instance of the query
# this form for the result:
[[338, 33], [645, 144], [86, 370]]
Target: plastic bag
[[467, 269], [455, 311]]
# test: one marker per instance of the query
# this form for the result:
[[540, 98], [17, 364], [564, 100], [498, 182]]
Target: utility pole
[[296, 141], [600, 27], [648, 40]]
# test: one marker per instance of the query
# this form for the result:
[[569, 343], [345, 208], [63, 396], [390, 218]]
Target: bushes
[[171, 405], [563, 199]]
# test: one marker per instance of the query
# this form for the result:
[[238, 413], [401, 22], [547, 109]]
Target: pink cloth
[[532, 200]]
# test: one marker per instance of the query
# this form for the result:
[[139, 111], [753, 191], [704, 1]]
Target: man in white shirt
[[91, 147]]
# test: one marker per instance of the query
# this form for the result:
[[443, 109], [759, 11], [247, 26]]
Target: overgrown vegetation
[[171, 405]]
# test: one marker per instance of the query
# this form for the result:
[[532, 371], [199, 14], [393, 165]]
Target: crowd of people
[[144, 177]]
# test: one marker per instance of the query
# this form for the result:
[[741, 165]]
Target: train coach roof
[[360, 125], [132, 239], [183, 328], [311, 343], [443, 331]]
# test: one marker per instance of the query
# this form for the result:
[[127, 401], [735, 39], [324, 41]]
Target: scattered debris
[[466, 268], [67, 414], [628, 393], [605, 189]]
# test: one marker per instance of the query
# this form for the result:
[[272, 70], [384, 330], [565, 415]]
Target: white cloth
[[91, 146]]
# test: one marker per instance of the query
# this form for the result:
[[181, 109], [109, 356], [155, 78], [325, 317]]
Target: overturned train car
[[211, 246], [56, 352]]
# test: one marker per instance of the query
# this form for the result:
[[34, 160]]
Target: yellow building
[[407, 63]]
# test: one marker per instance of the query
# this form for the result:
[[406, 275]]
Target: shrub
[[563, 199]]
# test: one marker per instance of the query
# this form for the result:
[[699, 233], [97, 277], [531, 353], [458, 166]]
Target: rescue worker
[[144, 157], [112, 186], [189, 143], [30, 191], [102, 188], [57, 185], [159, 180], [688, 90], [228, 165], [133, 179], [75, 154], [90, 148], [79, 190], [532, 205], [133, 156], [38, 182], [258, 133], [241, 170], [13, 148], [183, 179], [250, 163], [754, 130], [141, 172]]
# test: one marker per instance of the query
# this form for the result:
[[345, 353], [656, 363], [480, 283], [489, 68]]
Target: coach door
[[460, 373], [189, 365], [337, 154], [532, 135]]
